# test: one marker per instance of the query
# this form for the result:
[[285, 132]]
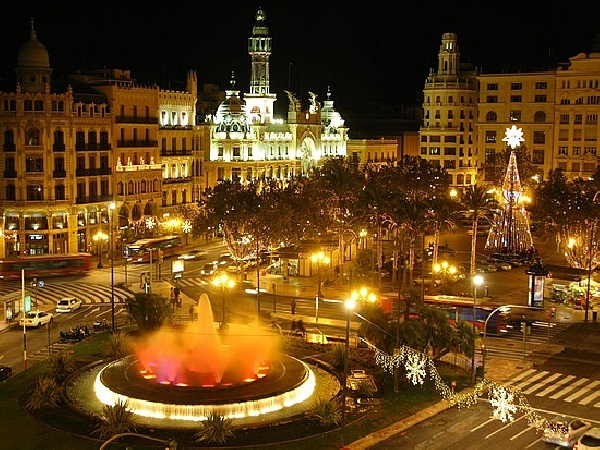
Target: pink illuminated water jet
[[198, 355]]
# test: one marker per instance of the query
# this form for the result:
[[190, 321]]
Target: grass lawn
[[64, 429]]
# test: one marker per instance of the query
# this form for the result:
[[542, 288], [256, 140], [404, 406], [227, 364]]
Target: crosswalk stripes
[[88, 293], [557, 386]]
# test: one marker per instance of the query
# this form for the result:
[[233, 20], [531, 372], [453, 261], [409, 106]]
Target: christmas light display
[[419, 367], [510, 231]]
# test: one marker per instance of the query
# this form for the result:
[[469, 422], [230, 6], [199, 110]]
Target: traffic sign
[[41, 283]]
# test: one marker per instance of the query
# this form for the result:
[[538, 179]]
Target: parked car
[[36, 319], [68, 304], [565, 430], [500, 264], [418, 280], [210, 268], [590, 440], [480, 266], [236, 266], [5, 372]]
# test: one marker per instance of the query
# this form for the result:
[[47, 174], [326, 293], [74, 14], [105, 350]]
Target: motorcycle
[[101, 325]]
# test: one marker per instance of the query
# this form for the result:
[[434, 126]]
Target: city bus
[[461, 309], [458, 308], [48, 265], [139, 251]]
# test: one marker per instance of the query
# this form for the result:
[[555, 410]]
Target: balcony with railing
[[93, 172], [137, 143], [94, 199]]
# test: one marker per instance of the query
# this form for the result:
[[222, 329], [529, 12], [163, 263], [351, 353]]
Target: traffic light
[[160, 255]]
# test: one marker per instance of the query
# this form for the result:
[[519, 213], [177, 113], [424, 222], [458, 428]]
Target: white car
[[565, 431], [589, 440], [68, 304], [36, 319]]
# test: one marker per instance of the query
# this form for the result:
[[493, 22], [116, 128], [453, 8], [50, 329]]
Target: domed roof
[[33, 53]]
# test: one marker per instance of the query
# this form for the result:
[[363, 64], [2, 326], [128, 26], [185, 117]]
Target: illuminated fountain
[[185, 375]]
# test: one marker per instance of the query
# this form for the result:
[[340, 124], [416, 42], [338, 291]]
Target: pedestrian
[[173, 300], [191, 310], [293, 306], [142, 280]]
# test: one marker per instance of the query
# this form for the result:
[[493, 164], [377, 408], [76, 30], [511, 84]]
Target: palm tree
[[216, 429], [149, 311], [116, 419], [477, 201], [442, 212]]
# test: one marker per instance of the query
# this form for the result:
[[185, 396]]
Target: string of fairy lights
[[505, 401]]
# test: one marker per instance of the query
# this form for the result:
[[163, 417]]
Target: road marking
[[547, 380], [556, 385], [582, 391], [569, 388], [531, 380]]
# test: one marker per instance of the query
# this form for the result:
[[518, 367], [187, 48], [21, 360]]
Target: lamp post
[[319, 258], [111, 208], [349, 304], [504, 308], [100, 237], [477, 281], [223, 281]]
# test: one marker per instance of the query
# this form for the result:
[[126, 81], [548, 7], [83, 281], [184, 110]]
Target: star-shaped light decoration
[[186, 226], [514, 137], [150, 222]]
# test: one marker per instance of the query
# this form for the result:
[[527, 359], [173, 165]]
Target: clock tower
[[259, 101]]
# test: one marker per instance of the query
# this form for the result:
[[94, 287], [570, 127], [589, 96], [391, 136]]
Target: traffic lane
[[471, 427]]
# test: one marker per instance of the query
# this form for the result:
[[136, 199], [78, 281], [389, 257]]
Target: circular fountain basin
[[288, 382]]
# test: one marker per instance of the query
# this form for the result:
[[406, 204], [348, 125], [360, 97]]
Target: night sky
[[379, 53]]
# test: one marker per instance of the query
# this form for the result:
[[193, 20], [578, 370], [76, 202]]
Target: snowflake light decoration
[[501, 399], [415, 368], [513, 136], [150, 222], [186, 226]]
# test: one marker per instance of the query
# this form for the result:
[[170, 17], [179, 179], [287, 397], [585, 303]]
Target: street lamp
[[504, 308], [319, 258], [477, 281], [223, 281], [100, 237], [350, 304], [111, 208], [444, 269]]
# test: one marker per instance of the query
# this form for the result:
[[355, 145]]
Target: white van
[[68, 304]]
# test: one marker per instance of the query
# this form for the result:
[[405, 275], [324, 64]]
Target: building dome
[[33, 53]]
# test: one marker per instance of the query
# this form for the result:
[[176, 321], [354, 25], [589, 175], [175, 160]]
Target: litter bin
[[594, 316]]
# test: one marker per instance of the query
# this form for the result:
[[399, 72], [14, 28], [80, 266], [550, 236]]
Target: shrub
[[337, 354], [115, 419], [327, 412], [215, 429], [117, 345], [60, 366], [46, 394]]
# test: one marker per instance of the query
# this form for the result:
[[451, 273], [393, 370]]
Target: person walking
[[173, 299], [293, 305], [142, 280]]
